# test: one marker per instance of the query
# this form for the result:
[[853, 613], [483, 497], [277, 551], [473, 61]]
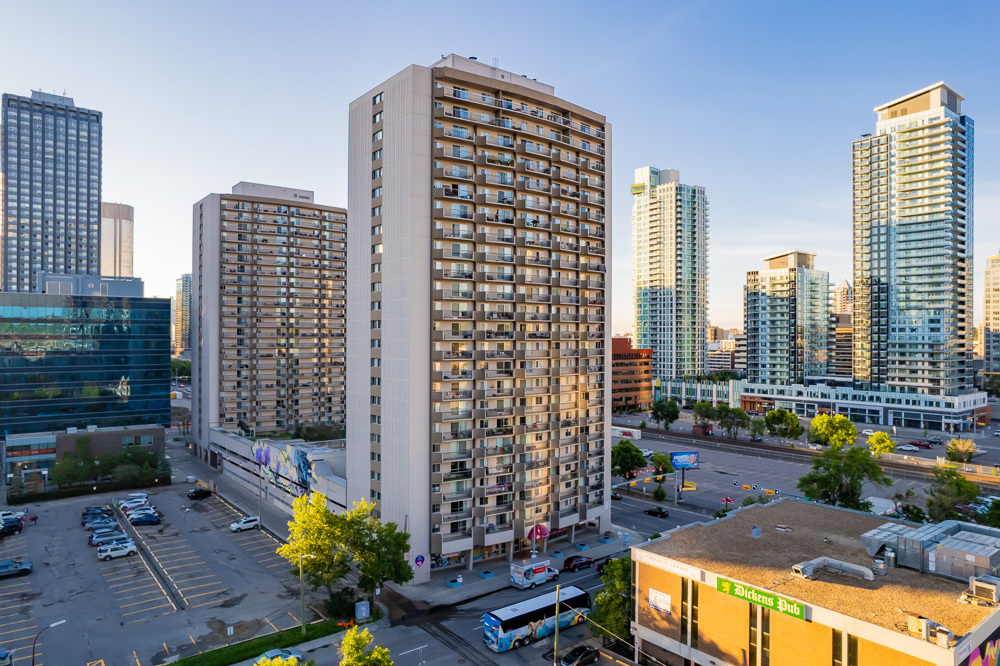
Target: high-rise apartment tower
[[913, 246], [479, 373], [267, 311], [117, 222], [670, 271], [843, 298], [787, 320], [50, 189], [182, 314], [991, 315]]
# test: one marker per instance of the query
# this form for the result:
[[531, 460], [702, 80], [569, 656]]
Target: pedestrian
[[626, 538], [34, 520]]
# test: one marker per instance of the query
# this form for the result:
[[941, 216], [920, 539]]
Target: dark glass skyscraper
[[50, 161], [74, 361]]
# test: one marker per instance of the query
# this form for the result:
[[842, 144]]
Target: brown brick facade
[[631, 376]]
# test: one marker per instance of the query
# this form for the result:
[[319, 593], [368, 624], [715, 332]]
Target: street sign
[[768, 491], [361, 611], [754, 487], [690, 485], [746, 486], [736, 483]]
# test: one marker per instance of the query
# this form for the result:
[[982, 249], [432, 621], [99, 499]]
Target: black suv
[[657, 511], [199, 493], [7, 529]]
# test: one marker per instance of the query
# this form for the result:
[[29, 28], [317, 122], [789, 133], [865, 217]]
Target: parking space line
[[297, 623], [191, 580], [266, 546], [315, 610], [272, 625], [195, 596], [207, 603], [195, 587], [132, 588], [183, 566], [147, 609], [271, 566], [14, 631]]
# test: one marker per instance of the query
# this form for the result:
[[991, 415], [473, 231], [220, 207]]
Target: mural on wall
[[288, 469], [986, 654]]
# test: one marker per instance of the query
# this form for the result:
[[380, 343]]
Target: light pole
[[54, 624], [302, 593]]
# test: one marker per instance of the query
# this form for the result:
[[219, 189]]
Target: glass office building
[[76, 361], [50, 189]]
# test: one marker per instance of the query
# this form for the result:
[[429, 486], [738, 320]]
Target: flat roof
[[939, 84], [725, 547]]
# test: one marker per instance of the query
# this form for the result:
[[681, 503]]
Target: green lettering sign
[[761, 598]]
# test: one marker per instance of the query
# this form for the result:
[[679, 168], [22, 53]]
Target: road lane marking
[[272, 625]]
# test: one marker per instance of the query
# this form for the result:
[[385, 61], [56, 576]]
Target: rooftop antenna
[[496, 62]]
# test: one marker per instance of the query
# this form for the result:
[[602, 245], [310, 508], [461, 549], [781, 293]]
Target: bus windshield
[[531, 619]]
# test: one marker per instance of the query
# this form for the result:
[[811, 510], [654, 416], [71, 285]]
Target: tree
[[664, 413], [626, 459], [704, 413], [127, 475], [880, 443], [947, 492], [283, 661], [661, 461], [16, 487], [781, 423], [756, 428], [839, 475], [352, 650], [163, 469], [992, 385], [659, 494], [835, 430], [180, 369], [378, 550], [960, 450], [610, 616], [992, 516], [731, 420], [313, 533]]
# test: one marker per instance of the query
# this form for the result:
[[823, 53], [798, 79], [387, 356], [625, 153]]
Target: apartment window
[[376, 286], [375, 344], [377, 136], [376, 363], [376, 173], [376, 324], [376, 495], [377, 439], [376, 381], [376, 211], [376, 305], [376, 192], [376, 229], [376, 457], [852, 650], [377, 155], [376, 419], [377, 118], [377, 248], [377, 99], [376, 476], [689, 612], [838, 648], [376, 400], [760, 636]]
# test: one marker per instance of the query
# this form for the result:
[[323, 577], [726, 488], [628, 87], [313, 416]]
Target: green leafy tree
[[626, 459], [839, 475], [661, 461], [992, 385], [642, 424], [610, 616], [731, 420], [835, 430], [992, 516], [704, 413], [947, 492], [880, 443], [353, 650], [128, 475], [314, 533], [664, 413], [659, 494], [283, 661], [180, 369], [378, 550], [757, 428], [960, 450], [782, 423]]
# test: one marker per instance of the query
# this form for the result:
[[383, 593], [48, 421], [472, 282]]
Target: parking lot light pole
[[54, 624], [302, 593]]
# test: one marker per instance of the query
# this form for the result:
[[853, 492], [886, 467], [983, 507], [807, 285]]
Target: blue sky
[[756, 101]]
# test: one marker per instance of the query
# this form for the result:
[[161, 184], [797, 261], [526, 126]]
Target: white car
[[907, 447], [647, 453], [113, 550], [815, 446], [248, 523], [13, 514], [868, 433]]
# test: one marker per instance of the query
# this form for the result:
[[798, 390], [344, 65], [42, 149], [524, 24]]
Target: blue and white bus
[[531, 619]]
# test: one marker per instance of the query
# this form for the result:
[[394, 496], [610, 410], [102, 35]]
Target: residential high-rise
[[843, 298], [182, 315], [267, 311], [117, 222], [991, 315], [478, 238], [913, 247], [787, 321], [50, 189], [670, 271], [841, 352]]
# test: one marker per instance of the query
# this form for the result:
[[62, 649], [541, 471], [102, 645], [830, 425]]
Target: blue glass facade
[[74, 361]]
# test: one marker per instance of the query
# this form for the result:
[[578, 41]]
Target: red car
[[922, 444]]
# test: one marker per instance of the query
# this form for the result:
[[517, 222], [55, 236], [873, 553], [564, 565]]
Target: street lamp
[[302, 593], [54, 624]]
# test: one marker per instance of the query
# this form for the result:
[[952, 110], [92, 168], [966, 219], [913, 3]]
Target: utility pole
[[555, 643]]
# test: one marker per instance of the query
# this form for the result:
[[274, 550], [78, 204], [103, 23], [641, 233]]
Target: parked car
[[97, 509], [868, 432], [934, 441], [133, 506], [14, 568], [141, 507], [12, 521], [199, 493], [577, 562], [615, 495], [102, 524], [603, 562], [907, 447], [248, 523], [581, 654], [921, 444], [13, 514], [647, 453], [657, 511], [146, 519], [113, 550], [756, 438], [106, 539], [815, 446], [8, 529], [284, 653]]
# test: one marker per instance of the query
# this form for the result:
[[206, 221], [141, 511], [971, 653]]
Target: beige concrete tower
[[117, 230], [478, 280]]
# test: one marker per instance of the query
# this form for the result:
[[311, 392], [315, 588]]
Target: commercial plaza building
[[913, 233], [267, 312], [670, 271], [794, 582], [117, 227], [50, 189], [786, 318], [479, 277]]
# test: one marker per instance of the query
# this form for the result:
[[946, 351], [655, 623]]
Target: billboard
[[684, 460]]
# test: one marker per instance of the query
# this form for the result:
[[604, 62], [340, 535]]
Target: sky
[[756, 101]]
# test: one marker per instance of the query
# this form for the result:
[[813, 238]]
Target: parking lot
[[190, 582]]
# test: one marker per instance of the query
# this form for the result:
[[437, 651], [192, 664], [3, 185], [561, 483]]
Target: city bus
[[531, 619]]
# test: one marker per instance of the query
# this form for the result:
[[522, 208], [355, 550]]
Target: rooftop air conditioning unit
[[985, 587], [803, 569]]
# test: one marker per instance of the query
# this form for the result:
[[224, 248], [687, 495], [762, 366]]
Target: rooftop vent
[[807, 569], [983, 590]]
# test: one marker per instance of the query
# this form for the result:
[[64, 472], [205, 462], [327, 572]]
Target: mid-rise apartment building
[[182, 315], [913, 234], [267, 311], [117, 226], [631, 376], [479, 278], [990, 336], [670, 271], [50, 189], [842, 349], [786, 318]]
